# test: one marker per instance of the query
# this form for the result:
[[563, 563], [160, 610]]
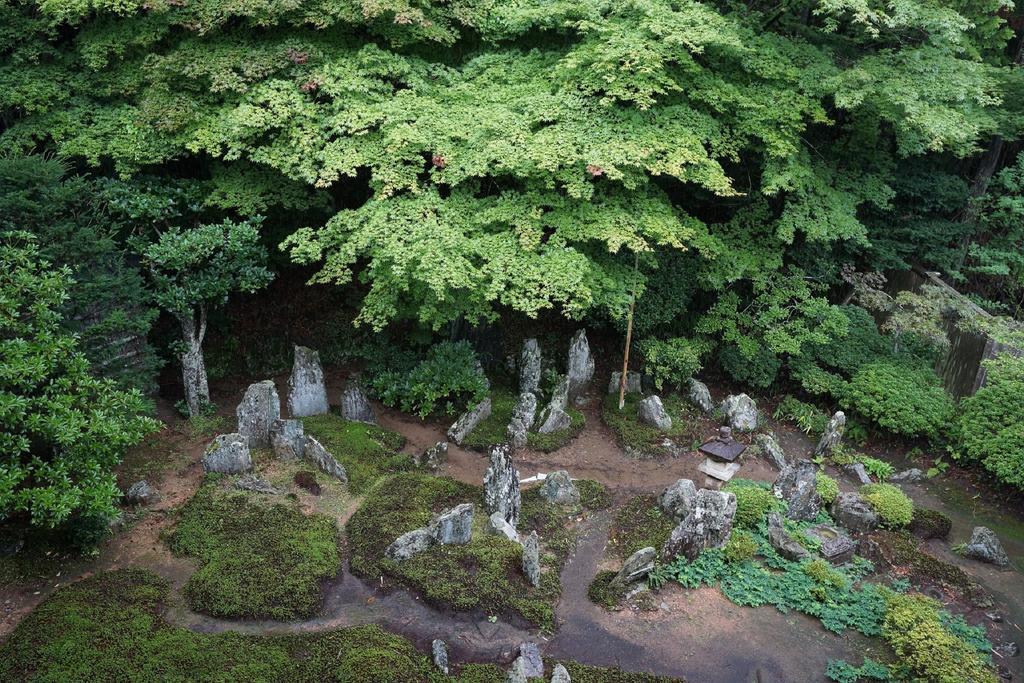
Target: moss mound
[[927, 523], [642, 440], [484, 574], [754, 500], [893, 506], [257, 560], [367, 451], [492, 431], [900, 551], [638, 524], [594, 495], [602, 592]]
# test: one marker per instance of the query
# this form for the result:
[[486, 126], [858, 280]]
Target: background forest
[[195, 185]]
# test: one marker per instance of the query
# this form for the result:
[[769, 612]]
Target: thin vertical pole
[[629, 334]]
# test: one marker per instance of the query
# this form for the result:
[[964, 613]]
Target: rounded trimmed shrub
[[991, 428], [901, 398], [892, 505]]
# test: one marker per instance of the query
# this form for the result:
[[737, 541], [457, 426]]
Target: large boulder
[[700, 396], [634, 384], [259, 410], [529, 367], [531, 559], [771, 450], [836, 547], [141, 493], [985, 547], [852, 511], [741, 413], [355, 405], [558, 488], [554, 418], [797, 484], [288, 439], [580, 368], [501, 485], [637, 567], [708, 525], [677, 499], [319, 456], [307, 393], [652, 412], [454, 526], [228, 454], [783, 543], [523, 416], [833, 435], [410, 543], [469, 420]]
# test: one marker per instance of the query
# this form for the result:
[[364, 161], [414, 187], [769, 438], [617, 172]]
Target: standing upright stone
[[700, 396], [523, 416], [440, 652], [741, 412], [288, 439], [677, 499], [259, 410], [355, 405], [771, 449], [454, 526], [554, 418], [531, 559], [529, 367], [707, 525], [833, 435], [581, 364], [321, 457], [558, 488], [985, 546], [307, 393], [469, 420], [797, 484], [634, 383], [501, 485], [560, 675], [652, 412]]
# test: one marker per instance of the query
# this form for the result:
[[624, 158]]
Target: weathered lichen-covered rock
[[288, 439], [433, 456], [558, 488], [529, 367], [469, 420], [439, 651], [580, 368], [652, 412], [228, 454], [638, 566], [530, 653], [858, 472], [852, 511], [141, 493], [783, 543], [771, 450], [501, 485], [833, 435], [708, 525], [259, 410], [553, 417], [531, 559], [700, 396], [560, 675], [410, 543], [319, 456], [985, 547], [555, 420], [253, 483], [740, 412], [523, 416], [497, 526], [677, 499], [454, 526], [634, 383], [355, 405], [797, 484], [307, 393], [909, 476]]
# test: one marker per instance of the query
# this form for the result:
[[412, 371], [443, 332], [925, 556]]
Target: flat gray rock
[[469, 420], [909, 476], [858, 472], [253, 483], [783, 543], [497, 526], [141, 493], [433, 456], [319, 456], [409, 544], [637, 567]]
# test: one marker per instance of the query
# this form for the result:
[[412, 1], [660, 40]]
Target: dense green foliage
[[908, 401], [828, 489], [893, 506], [368, 452], [446, 381], [754, 500], [257, 560], [63, 430], [991, 424], [670, 362]]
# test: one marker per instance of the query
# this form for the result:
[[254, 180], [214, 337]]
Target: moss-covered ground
[[257, 559], [492, 431], [367, 451], [484, 574], [643, 440], [638, 524], [109, 628]]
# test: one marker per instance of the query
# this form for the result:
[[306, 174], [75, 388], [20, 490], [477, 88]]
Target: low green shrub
[[809, 418], [256, 560], [670, 362], [754, 500], [368, 452], [741, 546], [894, 508], [843, 672], [828, 489], [990, 426], [904, 398], [640, 523], [447, 380]]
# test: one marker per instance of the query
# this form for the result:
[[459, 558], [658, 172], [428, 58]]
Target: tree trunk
[[193, 367]]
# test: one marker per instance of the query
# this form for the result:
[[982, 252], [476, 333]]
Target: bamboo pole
[[629, 334]]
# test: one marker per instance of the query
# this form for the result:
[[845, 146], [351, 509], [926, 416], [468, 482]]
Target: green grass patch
[[484, 574], [368, 452], [493, 430], [642, 440], [638, 524], [256, 560]]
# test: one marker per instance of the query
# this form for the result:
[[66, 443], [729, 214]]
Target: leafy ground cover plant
[[368, 452], [754, 500], [447, 380], [257, 560], [894, 508], [901, 398], [642, 440], [827, 488]]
